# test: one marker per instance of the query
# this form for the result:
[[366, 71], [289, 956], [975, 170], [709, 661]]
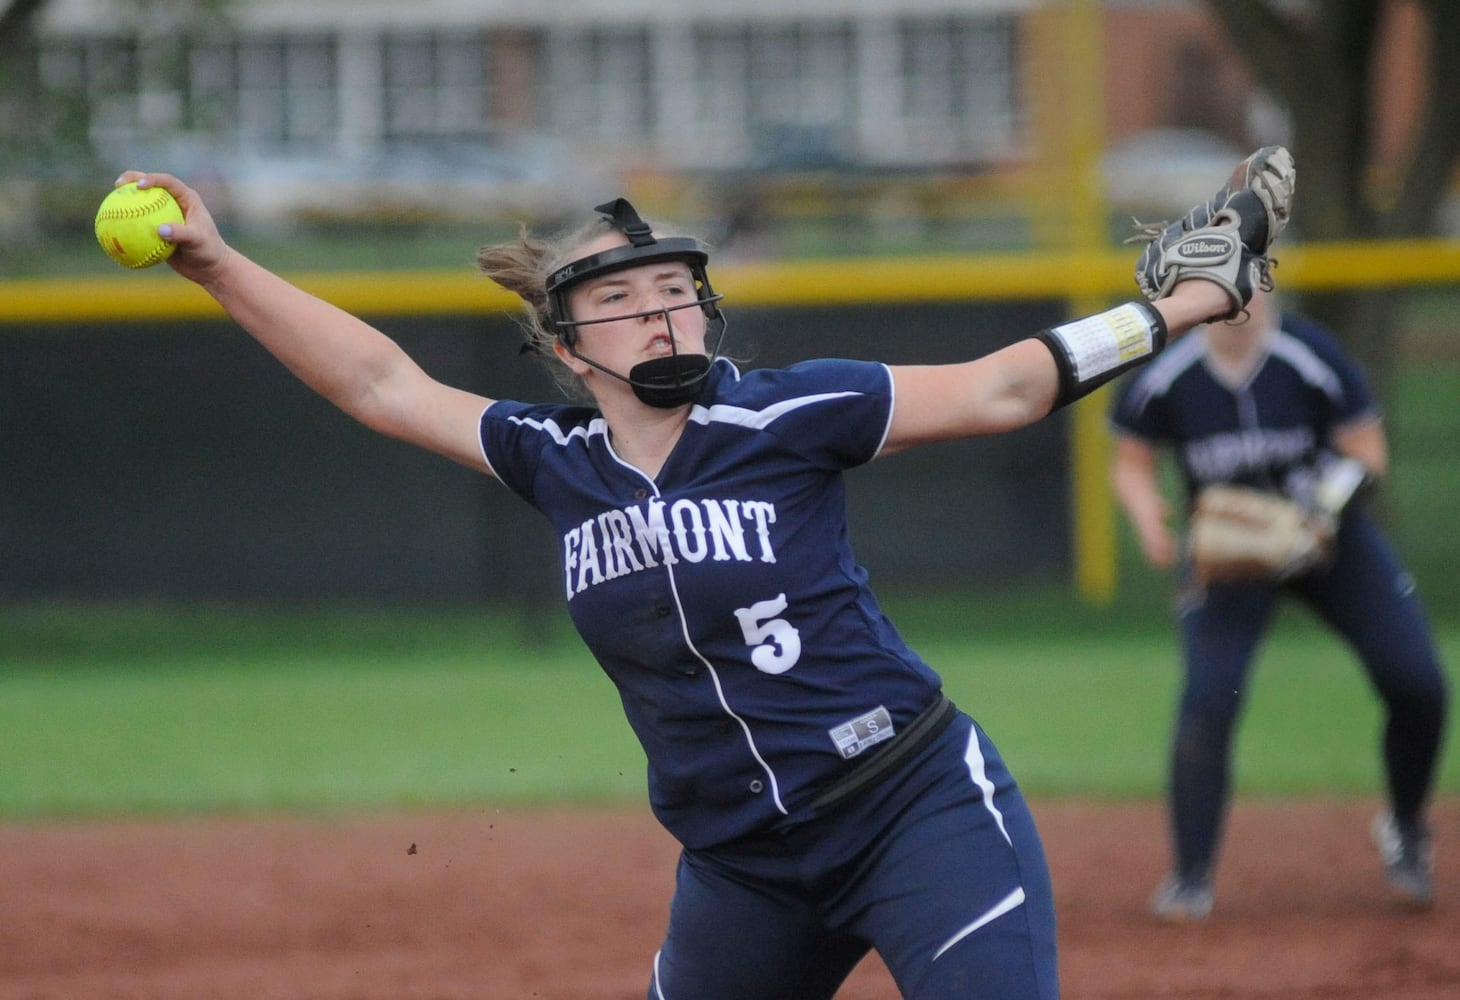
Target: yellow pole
[[1068, 202], [1094, 514]]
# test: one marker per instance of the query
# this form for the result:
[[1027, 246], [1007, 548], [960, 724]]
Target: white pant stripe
[[1004, 905], [973, 756]]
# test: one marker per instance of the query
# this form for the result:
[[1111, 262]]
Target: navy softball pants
[[939, 868]]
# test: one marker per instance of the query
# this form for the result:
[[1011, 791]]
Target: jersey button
[[663, 611], [640, 493], [757, 786]]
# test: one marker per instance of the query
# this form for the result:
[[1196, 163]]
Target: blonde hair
[[522, 267]]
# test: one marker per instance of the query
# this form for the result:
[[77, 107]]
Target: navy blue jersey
[[1273, 431], [722, 596]]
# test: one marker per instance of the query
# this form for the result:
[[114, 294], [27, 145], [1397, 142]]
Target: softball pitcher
[[1272, 403], [829, 797]]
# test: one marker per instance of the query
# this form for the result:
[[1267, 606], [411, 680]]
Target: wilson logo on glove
[[1215, 249]]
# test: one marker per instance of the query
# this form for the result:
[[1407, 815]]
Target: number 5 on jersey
[[776, 645]]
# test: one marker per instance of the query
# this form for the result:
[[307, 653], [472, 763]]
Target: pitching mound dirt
[[570, 905]]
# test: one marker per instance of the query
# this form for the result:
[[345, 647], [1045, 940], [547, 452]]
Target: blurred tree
[[15, 20], [46, 156], [1321, 60], [17, 100]]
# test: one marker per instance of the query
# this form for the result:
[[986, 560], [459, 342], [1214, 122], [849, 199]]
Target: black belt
[[919, 733]]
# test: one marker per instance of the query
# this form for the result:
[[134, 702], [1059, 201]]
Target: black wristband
[[1090, 352]]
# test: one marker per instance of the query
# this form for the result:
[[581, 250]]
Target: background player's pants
[[1368, 598], [939, 868]]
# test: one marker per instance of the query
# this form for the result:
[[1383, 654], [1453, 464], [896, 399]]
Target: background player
[[1272, 402], [828, 796]]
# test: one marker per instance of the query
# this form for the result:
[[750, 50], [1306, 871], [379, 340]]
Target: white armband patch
[[1100, 343], [1090, 352]]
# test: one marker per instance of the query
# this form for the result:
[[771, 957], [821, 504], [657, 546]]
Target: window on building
[[796, 95], [212, 74], [718, 124], [779, 95], [802, 95], [287, 93], [437, 85], [601, 85], [958, 78]]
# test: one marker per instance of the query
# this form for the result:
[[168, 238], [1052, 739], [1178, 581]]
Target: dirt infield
[[566, 905]]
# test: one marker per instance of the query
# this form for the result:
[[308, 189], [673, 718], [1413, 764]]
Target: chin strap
[[670, 381], [664, 383]]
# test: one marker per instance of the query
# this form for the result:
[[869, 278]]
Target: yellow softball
[[127, 221]]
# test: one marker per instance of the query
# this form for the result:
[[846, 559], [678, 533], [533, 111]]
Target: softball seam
[[134, 211]]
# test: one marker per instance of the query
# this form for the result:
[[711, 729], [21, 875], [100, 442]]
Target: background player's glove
[[1242, 534], [1225, 239]]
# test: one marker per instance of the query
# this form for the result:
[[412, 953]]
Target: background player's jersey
[[1272, 431], [721, 596]]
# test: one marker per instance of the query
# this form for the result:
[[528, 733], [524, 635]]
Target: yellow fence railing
[[1105, 275], [1085, 281]]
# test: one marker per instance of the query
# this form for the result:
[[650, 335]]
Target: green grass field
[[121, 711], [180, 710]]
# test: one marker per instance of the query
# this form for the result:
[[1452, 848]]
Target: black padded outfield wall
[[180, 461]]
